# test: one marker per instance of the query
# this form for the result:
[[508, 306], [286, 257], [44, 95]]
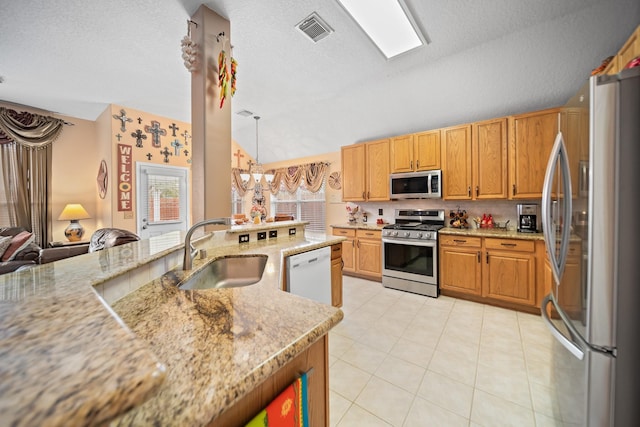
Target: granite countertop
[[499, 233], [69, 359], [265, 226], [219, 344], [360, 225]]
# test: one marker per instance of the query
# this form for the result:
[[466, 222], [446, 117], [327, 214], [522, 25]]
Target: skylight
[[387, 23]]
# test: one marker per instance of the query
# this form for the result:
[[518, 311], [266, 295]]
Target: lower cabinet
[[570, 291], [361, 252], [336, 275], [313, 358], [492, 270]]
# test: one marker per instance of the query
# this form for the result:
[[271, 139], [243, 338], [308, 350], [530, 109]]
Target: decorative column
[[210, 124]]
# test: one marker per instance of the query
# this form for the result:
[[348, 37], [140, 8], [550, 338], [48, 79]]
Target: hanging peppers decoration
[[226, 78]]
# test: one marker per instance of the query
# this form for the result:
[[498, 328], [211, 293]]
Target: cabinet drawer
[[369, 234], [510, 244], [464, 241], [336, 251], [346, 232]]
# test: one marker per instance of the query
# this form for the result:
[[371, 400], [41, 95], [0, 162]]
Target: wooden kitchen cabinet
[[531, 138], [489, 159], [575, 133], [365, 171], [460, 264], [336, 275], [361, 252], [456, 162], [509, 273], [570, 292], [415, 152]]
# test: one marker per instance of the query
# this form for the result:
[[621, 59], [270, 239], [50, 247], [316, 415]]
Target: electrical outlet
[[243, 238], [273, 233], [262, 235], [380, 212], [292, 232]]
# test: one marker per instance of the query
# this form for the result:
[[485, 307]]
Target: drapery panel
[[312, 174], [25, 158]]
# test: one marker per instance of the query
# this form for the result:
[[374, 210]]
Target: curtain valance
[[312, 174], [28, 129]]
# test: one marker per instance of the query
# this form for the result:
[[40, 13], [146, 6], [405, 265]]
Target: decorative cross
[[186, 153], [149, 156], [173, 128], [239, 155], [155, 130], [176, 147], [186, 137], [118, 136], [139, 136], [123, 120], [139, 120], [166, 153]]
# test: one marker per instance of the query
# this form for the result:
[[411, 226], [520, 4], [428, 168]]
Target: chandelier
[[256, 171]]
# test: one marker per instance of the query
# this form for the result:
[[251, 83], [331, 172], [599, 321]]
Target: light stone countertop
[[219, 344], [491, 232], [360, 225], [69, 359]]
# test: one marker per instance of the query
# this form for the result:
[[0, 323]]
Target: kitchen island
[[70, 359]]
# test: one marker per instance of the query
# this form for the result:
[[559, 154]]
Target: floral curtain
[[25, 168], [312, 174]]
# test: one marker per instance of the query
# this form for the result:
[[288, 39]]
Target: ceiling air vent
[[314, 27]]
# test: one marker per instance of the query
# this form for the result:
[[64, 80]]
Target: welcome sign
[[124, 177]]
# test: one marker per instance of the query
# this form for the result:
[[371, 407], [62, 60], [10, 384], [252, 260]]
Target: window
[[303, 205], [237, 204]]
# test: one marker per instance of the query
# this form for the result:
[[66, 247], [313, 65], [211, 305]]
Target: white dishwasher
[[309, 274]]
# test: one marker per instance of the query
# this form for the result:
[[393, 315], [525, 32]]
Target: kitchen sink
[[228, 272]]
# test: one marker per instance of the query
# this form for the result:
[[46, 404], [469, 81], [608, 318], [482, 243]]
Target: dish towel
[[289, 409]]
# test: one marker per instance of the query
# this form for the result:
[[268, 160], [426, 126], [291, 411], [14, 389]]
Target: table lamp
[[73, 213]]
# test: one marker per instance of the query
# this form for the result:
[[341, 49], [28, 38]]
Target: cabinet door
[[572, 131], [353, 172], [336, 282], [369, 254], [377, 170], [456, 163], [510, 276], [629, 50], [401, 154], [426, 152], [531, 139], [460, 270], [489, 154], [348, 255]]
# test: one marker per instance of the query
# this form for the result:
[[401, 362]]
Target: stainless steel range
[[410, 251]]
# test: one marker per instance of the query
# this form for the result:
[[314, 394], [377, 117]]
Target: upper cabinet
[[531, 138], [627, 52], [365, 171], [415, 152], [456, 162], [489, 159]]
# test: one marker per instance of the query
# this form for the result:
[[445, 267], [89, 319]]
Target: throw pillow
[[18, 243], [5, 241]]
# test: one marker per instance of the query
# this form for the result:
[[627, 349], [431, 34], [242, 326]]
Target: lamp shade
[[73, 211]]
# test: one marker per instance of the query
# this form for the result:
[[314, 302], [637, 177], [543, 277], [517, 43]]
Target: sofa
[[17, 253], [32, 254]]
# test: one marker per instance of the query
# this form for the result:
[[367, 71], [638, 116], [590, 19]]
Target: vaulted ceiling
[[485, 59]]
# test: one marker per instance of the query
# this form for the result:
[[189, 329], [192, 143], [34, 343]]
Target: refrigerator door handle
[[558, 155], [567, 343]]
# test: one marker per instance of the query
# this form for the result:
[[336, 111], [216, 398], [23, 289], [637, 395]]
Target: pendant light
[[255, 169]]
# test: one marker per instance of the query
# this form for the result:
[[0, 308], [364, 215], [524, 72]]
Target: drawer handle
[[336, 249], [369, 234], [511, 245], [459, 241]]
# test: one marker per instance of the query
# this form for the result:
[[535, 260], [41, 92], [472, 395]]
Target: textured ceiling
[[486, 59]]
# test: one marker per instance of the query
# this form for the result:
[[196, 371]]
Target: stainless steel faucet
[[189, 250]]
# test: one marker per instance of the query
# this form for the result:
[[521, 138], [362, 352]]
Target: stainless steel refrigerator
[[596, 355]]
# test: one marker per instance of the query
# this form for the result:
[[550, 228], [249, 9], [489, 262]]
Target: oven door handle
[[411, 242]]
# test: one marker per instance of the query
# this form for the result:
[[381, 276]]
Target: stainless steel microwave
[[416, 185]]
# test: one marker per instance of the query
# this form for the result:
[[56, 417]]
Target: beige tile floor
[[400, 359]]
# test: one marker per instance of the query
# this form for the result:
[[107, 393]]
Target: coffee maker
[[528, 218]]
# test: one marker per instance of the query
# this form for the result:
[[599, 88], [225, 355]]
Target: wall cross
[[186, 137], [155, 132], [173, 128], [239, 155], [139, 136], [123, 120], [176, 147], [166, 153]]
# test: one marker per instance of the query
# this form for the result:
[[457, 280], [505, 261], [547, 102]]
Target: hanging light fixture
[[256, 170]]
